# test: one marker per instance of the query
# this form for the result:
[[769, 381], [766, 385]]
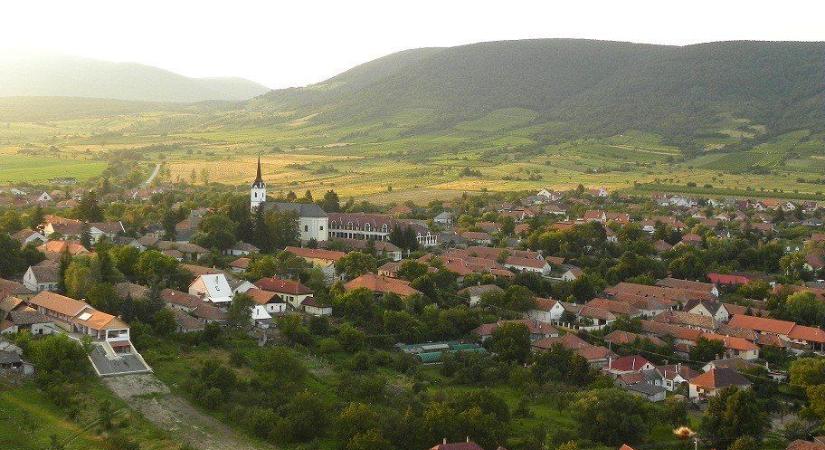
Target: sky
[[295, 43]]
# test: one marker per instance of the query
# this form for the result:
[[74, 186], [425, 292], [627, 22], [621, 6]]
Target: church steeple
[[259, 181], [257, 195]]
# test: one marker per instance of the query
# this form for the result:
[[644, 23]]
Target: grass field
[[389, 162]]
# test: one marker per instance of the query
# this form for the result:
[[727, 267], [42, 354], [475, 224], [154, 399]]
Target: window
[[322, 228], [306, 227]]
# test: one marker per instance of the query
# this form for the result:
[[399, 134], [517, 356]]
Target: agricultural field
[[393, 160]]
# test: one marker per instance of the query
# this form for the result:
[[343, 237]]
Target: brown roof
[[687, 319], [545, 304], [241, 263], [9, 304], [615, 307], [595, 353], [261, 296], [100, 320], [58, 303], [316, 253], [620, 337], [209, 312], [719, 378], [732, 342], [180, 298], [58, 247], [283, 286], [378, 283], [689, 285], [569, 341], [762, 324]]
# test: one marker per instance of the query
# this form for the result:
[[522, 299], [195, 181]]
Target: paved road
[[152, 177]]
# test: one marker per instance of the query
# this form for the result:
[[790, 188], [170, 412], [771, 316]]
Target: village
[[669, 298]]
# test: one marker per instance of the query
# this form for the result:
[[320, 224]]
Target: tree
[[11, 261], [731, 414], [36, 218], [355, 264], [88, 209], [240, 311], [511, 341], [216, 231], [165, 323], [280, 230], [85, 236], [707, 350], [805, 309], [793, 266], [331, 202], [611, 416]]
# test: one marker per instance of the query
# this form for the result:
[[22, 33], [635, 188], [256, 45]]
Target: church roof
[[302, 209]]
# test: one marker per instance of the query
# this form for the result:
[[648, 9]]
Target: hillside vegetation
[[582, 87]]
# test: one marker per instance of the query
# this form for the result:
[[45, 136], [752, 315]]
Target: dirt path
[[148, 395]]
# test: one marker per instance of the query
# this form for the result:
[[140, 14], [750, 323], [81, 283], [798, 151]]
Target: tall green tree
[[731, 414]]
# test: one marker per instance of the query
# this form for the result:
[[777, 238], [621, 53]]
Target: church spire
[[259, 181]]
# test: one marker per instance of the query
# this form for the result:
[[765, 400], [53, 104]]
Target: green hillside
[[54, 75], [581, 87]]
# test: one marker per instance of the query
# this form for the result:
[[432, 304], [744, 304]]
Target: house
[[468, 445], [686, 319], [13, 288], [538, 330], [572, 273], [676, 375], [180, 301], [730, 279], [315, 308], [648, 391], [383, 248], [711, 382], [187, 323], [616, 307], [546, 310], [688, 285], [797, 337], [42, 277], [213, 288], [539, 266], [11, 362], [26, 237], [54, 249], [291, 291], [628, 364], [26, 319], [271, 301], [717, 310], [260, 317], [241, 249], [626, 338], [210, 314], [444, 218], [477, 237], [240, 265], [381, 285], [691, 239], [735, 346], [320, 258], [476, 292]]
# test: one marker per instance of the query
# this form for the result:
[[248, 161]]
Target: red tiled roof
[[628, 363], [377, 283], [282, 286], [316, 253], [719, 378], [783, 327]]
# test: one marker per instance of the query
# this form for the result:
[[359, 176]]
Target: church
[[313, 222]]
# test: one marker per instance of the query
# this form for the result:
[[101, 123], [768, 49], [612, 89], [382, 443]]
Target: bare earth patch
[[151, 397]]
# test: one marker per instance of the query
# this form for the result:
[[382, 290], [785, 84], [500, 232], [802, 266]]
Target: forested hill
[[580, 86], [52, 75]]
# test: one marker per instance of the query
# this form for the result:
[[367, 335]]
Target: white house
[[25, 237], [572, 274], [212, 288], [26, 320], [444, 218], [547, 310], [717, 310], [711, 382], [260, 317], [314, 308], [291, 291], [42, 277]]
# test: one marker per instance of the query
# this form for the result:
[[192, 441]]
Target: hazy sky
[[294, 43]]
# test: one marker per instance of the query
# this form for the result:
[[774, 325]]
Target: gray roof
[[9, 357], [46, 273], [645, 388], [24, 318], [302, 209]]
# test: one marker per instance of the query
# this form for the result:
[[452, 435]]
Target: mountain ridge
[[53, 75]]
